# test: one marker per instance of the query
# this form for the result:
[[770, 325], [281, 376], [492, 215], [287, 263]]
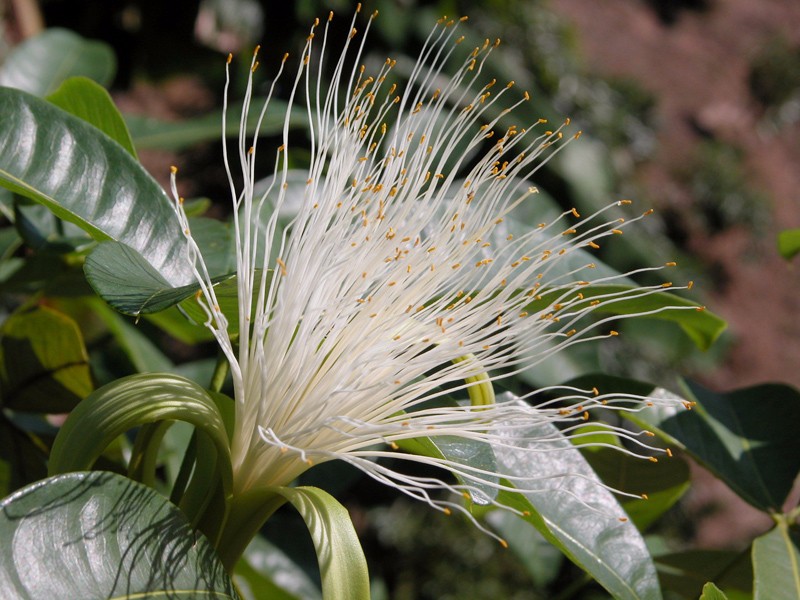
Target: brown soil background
[[697, 67]]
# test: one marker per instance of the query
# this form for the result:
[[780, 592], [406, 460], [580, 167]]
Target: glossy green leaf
[[40, 64], [82, 97], [152, 133], [44, 366], [122, 277], [702, 326], [130, 402], [747, 437], [687, 572], [101, 535], [128, 282], [663, 482], [266, 572], [471, 453], [776, 564], [572, 510], [789, 243], [712, 592], [86, 178], [342, 565]]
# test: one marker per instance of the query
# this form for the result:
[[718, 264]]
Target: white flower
[[397, 283]]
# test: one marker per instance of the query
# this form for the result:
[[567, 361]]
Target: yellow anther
[[653, 459], [671, 264]]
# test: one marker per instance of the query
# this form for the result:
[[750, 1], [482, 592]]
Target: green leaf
[[86, 178], [747, 437], [44, 366], [40, 64], [789, 243], [100, 535], [712, 592], [471, 453], [776, 564], [663, 483], [572, 510], [342, 565], [89, 101], [266, 572], [702, 326], [127, 281], [130, 402]]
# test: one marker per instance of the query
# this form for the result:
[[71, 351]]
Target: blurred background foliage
[[165, 72]]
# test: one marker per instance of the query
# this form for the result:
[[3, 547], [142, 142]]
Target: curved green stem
[[247, 513]]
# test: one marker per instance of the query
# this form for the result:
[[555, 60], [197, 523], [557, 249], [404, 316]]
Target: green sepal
[[342, 565]]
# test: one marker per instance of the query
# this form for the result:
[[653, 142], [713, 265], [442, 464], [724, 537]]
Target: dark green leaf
[[776, 564], [44, 366], [89, 101], [129, 283], [572, 510], [663, 483], [88, 179], [40, 64], [342, 565], [746, 437], [100, 535], [789, 243]]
